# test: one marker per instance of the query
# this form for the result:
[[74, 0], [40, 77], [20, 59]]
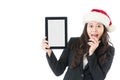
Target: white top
[[85, 61]]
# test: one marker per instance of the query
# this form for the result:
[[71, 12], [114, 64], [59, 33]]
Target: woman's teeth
[[94, 35]]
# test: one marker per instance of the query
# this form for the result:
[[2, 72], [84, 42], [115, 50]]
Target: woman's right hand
[[45, 46]]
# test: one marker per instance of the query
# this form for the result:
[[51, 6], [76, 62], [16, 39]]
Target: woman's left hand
[[93, 43]]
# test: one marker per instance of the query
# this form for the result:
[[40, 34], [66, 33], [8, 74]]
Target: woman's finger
[[91, 43]]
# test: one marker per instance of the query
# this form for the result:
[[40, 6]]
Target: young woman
[[88, 57]]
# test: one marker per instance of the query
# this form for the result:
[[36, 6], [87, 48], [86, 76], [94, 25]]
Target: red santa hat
[[99, 16]]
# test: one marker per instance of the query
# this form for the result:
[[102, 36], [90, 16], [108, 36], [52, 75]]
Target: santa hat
[[99, 16]]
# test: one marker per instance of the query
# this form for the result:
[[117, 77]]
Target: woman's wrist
[[49, 52], [90, 53]]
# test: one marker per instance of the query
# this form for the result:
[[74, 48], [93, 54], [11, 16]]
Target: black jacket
[[93, 71]]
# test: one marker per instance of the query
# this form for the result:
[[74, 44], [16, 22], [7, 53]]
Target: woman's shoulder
[[110, 47], [74, 39], [110, 50]]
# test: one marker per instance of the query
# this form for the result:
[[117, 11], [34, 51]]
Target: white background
[[22, 28]]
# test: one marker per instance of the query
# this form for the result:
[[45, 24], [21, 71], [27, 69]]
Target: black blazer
[[93, 71]]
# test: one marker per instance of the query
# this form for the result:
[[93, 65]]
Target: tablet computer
[[56, 32]]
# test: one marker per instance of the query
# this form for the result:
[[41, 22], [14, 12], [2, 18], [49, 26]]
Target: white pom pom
[[111, 28]]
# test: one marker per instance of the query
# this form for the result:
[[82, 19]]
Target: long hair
[[81, 47]]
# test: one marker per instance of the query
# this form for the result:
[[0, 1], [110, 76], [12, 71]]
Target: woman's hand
[[45, 46], [93, 43]]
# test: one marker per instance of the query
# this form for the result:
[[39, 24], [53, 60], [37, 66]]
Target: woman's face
[[95, 30]]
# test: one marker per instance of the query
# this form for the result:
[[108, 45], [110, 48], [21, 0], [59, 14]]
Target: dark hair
[[81, 47]]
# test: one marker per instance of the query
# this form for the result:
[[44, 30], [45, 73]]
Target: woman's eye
[[91, 26], [99, 26]]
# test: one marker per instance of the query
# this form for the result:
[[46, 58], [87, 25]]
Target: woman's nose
[[94, 29]]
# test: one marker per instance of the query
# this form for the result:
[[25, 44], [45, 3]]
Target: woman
[[88, 57]]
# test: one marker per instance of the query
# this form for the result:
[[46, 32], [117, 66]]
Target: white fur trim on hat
[[98, 17]]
